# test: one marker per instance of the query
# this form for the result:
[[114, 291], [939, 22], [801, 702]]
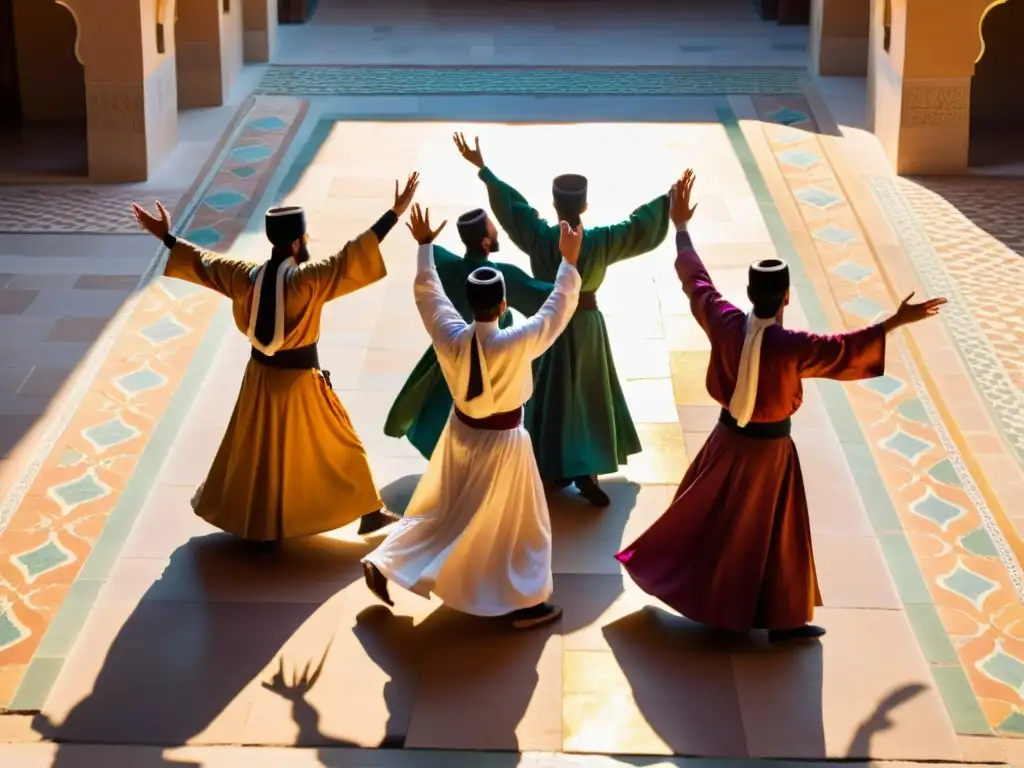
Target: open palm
[[403, 198]]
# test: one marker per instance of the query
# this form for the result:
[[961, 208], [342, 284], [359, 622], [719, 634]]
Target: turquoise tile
[[914, 411], [865, 309], [79, 491], [834, 235], [945, 472], [1013, 724], [10, 631], [971, 586], [254, 153], [61, 635], [163, 330], [35, 687], [884, 385], [799, 158], [787, 116], [110, 433], [904, 569], [1004, 668], [931, 635], [267, 124], [979, 542], [142, 380], [817, 198], [225, 200], [963, 707], [243, 171], [47, 557], [937, 510], [204, 237], [906, 445], [854, 272]]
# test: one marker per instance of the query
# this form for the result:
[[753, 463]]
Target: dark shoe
[[527, 618], [591, 491], [377, 583], [374, 521], [806, 632]]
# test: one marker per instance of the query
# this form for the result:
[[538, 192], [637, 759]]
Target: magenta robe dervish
[[733, 550]]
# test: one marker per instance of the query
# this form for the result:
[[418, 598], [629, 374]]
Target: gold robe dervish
[[290, 463]]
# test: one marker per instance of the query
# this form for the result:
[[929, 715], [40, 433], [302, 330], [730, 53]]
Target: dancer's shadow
[[398, 493], [210, 624], [683, 679]]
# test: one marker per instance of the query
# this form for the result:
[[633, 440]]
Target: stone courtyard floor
[[130, 629]]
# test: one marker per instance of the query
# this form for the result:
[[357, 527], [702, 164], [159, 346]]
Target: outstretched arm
[[706, 303], [517, 217], [228, 277], [642, 232], [442, 321], [355, 266], [539, 332]]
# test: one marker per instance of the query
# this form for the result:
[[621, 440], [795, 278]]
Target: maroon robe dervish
[[733, 550]]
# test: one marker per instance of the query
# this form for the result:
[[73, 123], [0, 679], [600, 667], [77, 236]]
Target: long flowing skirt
[[578, 417], [733, 550], [477, 532], [421, 410], [290, 464]]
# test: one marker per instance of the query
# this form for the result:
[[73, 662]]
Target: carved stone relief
[[945, 103]]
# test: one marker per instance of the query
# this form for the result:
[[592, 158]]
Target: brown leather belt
[[297, 359], [498, 422], [587, 302], [762, 430]]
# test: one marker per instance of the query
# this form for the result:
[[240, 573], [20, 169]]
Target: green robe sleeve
[[518, 218], [642, 232], [524, 294]]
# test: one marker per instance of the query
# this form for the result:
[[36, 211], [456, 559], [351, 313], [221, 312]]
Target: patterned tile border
[[53, 209], [1005, 400], [956, 574], [64, 530], [606, 81]]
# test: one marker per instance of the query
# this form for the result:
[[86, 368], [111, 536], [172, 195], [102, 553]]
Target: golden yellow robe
[[290, 463]]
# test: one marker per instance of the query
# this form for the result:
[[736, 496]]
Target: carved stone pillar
[[130, 87], [839, 37], [208, 35], [922, 55], [260, 21]]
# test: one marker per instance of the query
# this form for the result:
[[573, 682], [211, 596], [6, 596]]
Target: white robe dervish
[[477, 532]]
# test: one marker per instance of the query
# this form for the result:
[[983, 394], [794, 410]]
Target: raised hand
[[474, 155], [570, 241], [158, 227], [300, 684], [908, 313], [679, 208], [403, 198], [419, 225]]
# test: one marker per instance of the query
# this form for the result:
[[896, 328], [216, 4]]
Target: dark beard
[[494, 247], [303, 255]]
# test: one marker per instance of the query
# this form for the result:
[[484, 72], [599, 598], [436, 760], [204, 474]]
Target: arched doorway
[[43, 92], [997, 99]]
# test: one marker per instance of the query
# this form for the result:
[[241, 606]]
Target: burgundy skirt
[[733, 550]]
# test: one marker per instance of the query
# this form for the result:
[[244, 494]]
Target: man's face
[[300, 250], [491, 243]]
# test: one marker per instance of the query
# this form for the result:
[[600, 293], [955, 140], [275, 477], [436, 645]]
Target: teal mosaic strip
[[596, 81], [936, 646]]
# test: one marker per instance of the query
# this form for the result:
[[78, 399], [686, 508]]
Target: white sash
[[741, 406], [275, 344]]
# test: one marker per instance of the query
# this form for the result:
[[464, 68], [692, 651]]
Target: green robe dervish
[[578, 418], [423, 406]]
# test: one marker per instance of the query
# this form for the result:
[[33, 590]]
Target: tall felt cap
[[285, 225], [485, 289], [473, 226], [570, 188], [768, 278]]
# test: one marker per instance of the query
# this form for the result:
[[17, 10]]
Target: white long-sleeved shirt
[[506, 355]]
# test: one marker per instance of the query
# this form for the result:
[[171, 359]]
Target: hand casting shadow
[[682, 679], [482, 674], [197, 638]]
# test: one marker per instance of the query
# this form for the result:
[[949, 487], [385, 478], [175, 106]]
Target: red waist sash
[[498, 422], [587, 302]]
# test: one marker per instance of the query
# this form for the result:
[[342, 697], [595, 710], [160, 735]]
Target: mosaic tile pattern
[[60, 209], [972, 253], [423, 81], [972, 580], [62, 511]]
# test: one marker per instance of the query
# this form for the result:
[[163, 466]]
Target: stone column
[[260, 20], [130, 87], [839, 37], [208, 35], [919, 81]]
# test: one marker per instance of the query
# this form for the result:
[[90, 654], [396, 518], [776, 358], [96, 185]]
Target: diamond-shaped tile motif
[[12, 631], [799, 158], [834, 235], [1013, 724], [907, 446], [243, 171], [884, 385], [967, 584], [945, 472], [140, 381], [791, 136], [84, 489], [913, 410], [817, 198], [178, 289], [787, 116], [222, 201], [43, 559], [854, 272], [204, 237], [1004, 668], [937, 510], [865, 308], [254, 153], [268, 124], [978, 542], [110, 433], [163, 330]]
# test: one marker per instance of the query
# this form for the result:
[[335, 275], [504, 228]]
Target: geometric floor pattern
[[160, 632]]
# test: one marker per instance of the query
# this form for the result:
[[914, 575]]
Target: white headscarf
[[744, 397]]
